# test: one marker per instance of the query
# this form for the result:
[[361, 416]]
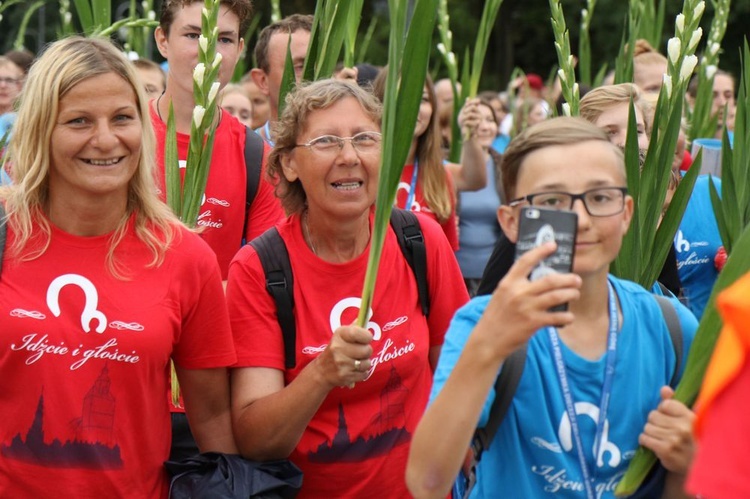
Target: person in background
[[152, 76], [236, 102], [611, 326], [649, 67], [270, 54], [427, 183], [11, 81], [347, 409], [260, 102], [478, 228], [723, 99], [226, 218], [101, 286], [22, 58], [529, 112]]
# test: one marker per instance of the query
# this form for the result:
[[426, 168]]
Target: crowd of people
[[102, 287]]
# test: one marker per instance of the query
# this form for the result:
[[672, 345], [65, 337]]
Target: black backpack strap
[[3, 234], [254, 166], [411, 241], [675, 333], [274, 258], [506, 385]]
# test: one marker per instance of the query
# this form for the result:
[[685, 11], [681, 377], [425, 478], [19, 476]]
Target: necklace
[[158, 111], [308, 236]]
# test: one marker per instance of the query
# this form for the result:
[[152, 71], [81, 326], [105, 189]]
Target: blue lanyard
[[609, 373], [413, 187], [267, 132]]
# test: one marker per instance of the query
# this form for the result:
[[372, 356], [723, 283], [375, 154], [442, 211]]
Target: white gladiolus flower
[[198, 113], [68, 17], [575, 89], [674, 47], [697, 34], [679, 23], [561, 74], [441, 48], [710, 71], [688, 65], [566, 109], [449, 35], [198, 73], [699, 9], [217, 59], [151, 15], [714, 48], [667, 84], [204, 12], [451, 58], [215, 32], [213, 92], [203, 43], [571, 61]]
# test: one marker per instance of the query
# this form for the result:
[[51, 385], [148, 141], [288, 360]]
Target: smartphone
[[538, 226]]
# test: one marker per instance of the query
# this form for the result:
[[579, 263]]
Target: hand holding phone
[[538, 226]]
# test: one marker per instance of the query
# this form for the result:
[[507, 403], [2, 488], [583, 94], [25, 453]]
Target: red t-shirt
[[450, 226], [356, 445], [84, 361], [222, 213]]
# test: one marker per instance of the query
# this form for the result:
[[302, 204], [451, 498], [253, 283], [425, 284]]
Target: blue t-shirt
[[696, 243], [532, 454], [478, 228]]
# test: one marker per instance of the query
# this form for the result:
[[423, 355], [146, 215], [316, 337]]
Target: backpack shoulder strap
[[506, 385], [675, 333], [274, 258], [3, 234], [411, 241], [254, 166]]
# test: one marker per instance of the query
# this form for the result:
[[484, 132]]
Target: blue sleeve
[[456, 337]]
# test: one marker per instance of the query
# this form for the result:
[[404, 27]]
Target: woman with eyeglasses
[[346, 411], [595, 383]]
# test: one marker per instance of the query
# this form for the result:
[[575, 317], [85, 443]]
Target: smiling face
[[614, 121], [425, 113], [96, 141], [576, 168], [341, 184], [487, 129], [180, 46]]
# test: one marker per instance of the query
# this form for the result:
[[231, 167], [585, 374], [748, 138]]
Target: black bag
[[229, 476]]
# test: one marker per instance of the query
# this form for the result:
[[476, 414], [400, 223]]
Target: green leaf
[[403, 94], [18, 45], [350, 42], [172, 165], [85, 15], [102, 11], [288, 78]]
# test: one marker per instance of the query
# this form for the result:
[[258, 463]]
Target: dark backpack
[[254, 166], [274, 258], [3, 233], [510, 375]]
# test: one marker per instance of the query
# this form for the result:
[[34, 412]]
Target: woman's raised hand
[[470, 117]]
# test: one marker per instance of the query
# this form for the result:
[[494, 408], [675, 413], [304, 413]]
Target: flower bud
[[697, 34], [561, 75], [698, 12], [213, 92], [714, 48], [217, 59], [679, 23], [198, 73], [441, 48], [151, 15], [688, 65], [711, 71], [667, 85], [566, 109], [674, 47], [203, 43], [198, 113]]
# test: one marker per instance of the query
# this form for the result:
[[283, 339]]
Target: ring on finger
[[357, 363]]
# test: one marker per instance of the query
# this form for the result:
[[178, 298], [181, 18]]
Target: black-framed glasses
[[364, 142], [599, 202]]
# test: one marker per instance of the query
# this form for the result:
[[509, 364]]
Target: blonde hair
[[300, 103], [63, 65], [600, 99], [431, 175], [559, 131]]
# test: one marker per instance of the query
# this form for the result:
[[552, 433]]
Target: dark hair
[[288, 25], [243, 9]]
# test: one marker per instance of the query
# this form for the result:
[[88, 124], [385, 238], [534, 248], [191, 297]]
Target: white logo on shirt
[[89, 312], [338, 310], [566, 435]]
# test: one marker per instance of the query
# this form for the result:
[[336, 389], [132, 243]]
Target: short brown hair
[[290, 24], [243, 9], [307, 98], [559, 131], [600, 99]]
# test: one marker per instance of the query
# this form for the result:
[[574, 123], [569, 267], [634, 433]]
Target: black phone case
[[539, 225]]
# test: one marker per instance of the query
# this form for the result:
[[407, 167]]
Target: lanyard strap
[[413, 186], [267, 132], [609, 372]]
